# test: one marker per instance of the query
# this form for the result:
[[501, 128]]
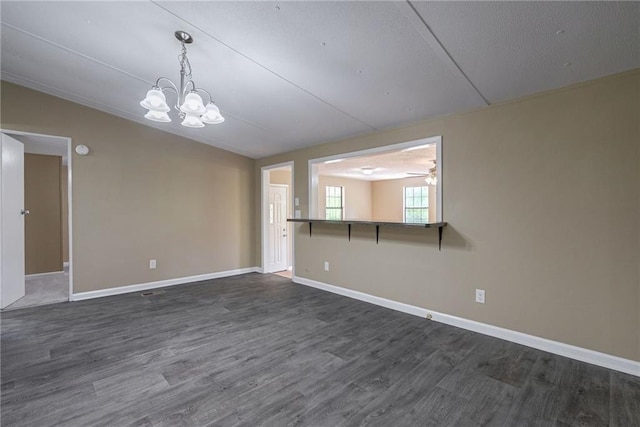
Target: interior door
[[12, 219], [277, 228]]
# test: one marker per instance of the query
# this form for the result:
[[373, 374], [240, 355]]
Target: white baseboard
[[159, 284], [42, 274], [578, 353]]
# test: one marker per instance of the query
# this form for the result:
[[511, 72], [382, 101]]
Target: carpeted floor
[[44, 289]]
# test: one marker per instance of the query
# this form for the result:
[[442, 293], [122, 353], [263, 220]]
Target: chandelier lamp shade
[[192, 110]]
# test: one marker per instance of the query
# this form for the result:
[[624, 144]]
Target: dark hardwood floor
[[259, 350]]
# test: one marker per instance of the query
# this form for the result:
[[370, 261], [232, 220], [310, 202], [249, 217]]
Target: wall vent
[[151, 293]]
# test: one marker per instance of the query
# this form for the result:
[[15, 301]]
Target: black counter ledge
[[377, 224]]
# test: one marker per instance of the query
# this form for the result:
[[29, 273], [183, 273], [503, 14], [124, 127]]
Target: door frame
[[69, 193], [264, 212]]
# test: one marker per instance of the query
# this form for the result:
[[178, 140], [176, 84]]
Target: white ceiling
[[287, 75]]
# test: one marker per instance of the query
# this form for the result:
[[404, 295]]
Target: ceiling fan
[[431, 175]]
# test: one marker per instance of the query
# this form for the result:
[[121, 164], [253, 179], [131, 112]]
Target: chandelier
[[193, 112]]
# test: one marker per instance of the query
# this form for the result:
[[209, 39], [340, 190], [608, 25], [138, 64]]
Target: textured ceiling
[[287, 75]]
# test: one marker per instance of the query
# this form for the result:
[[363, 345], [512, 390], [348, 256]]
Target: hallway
[[44, 289]]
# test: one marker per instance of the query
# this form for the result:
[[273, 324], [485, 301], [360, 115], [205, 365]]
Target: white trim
[[43, 274], [19, 132], [160, 284], [383, 302], [313, 168], [440, 176], [71, 263], [65, 264], [264, 198], [314, 182], [578, 353], [69, 194]]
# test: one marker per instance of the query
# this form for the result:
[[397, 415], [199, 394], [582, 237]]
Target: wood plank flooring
[[259, 350]]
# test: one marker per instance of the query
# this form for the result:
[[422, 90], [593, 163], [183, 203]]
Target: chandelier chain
[[184, 62]]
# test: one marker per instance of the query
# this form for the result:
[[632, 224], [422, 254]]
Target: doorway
[[277, 207], [36, 195]]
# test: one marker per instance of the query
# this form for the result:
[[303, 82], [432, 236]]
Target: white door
[[277, 228], [12, 219]]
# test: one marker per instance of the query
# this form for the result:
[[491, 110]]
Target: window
[[416, 204], [396, 165], [334, 207]]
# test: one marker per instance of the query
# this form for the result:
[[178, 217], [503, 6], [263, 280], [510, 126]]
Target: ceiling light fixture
[[432, 176], [193, 112], [367, 171]]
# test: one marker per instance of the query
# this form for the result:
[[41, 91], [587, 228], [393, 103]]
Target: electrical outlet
[[297, 214], [152, 264], [480, 296], [296, 201], [326, 266]]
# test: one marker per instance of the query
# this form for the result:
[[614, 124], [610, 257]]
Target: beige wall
[[523, 188], [143, 194], [43, 225], [64, 191], [357, 196], [388, 198]]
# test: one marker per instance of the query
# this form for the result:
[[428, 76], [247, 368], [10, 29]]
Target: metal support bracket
[[349, 232], [440, 238], [377, 233]]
